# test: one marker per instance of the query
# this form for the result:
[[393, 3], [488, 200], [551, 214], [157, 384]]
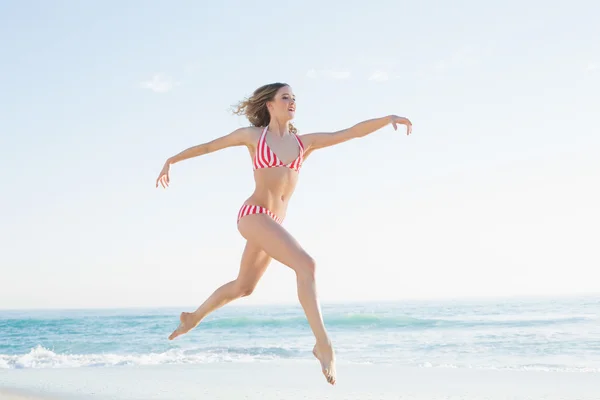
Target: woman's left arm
[[313, 141]]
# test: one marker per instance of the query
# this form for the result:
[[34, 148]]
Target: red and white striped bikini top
[[265, 158]]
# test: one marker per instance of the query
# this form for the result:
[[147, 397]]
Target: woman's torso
[[276, 162]]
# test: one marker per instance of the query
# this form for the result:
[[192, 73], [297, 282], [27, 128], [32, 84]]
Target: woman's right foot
[[188, 322], [326, 357]]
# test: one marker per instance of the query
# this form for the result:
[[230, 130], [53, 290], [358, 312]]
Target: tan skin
[[265, 238]]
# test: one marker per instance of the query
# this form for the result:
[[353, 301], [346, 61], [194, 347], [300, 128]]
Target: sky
[[495, 193]]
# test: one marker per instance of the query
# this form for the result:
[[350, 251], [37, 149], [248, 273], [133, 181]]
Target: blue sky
[[495, 193]]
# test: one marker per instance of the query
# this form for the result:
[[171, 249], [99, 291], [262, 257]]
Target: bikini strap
[[262, 138], [299, 142]]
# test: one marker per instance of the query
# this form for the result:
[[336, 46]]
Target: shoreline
[[292, 380]]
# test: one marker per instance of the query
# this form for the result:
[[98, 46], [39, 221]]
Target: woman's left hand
[[396, 120]]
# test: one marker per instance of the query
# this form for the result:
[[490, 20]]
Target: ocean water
[[543, 335]]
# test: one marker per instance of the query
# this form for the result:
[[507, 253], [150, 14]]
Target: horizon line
[[325, 303]]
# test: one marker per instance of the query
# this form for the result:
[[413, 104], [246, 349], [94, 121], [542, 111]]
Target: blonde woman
[[277, 153]]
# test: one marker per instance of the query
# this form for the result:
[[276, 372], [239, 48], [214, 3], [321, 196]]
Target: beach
[[423, 176], [12, 395], [297, 380], [539, 349]]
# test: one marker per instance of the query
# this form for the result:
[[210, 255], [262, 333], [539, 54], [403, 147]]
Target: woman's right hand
[[163, 177]]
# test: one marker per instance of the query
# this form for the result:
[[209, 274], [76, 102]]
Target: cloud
[[329, 73], [379, 76], [592, 66], [159, 83]]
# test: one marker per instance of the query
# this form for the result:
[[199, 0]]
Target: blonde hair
[[255, 106]]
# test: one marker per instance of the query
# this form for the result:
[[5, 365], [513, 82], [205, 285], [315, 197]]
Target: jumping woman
[[277, 153]]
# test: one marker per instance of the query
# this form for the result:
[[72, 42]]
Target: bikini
[[266, 158]]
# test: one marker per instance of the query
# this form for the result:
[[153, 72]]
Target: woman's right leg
[[263, 231]]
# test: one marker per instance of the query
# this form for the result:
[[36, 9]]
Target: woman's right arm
[[239, 137]]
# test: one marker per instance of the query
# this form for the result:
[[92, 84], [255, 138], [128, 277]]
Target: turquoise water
[[559, 334]]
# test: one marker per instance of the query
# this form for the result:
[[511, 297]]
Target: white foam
[[41, 357]]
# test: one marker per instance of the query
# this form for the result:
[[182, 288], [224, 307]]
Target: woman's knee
[[244, 288], [306, 267]]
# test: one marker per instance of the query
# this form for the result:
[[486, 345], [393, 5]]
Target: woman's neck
[[279, 128]]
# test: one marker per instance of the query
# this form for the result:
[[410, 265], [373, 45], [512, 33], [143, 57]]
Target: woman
[[277, 154]]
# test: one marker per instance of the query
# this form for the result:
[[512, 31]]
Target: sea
[[560, 334]]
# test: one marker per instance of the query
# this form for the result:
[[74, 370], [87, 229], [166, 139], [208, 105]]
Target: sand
[[13, 394], [298, 380]]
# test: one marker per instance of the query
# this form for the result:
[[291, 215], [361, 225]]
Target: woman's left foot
[[187, 324]]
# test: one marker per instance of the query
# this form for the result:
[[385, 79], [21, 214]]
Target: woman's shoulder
[[250, 134], [254, 131]]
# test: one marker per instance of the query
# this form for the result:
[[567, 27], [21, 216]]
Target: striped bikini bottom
[[248, 209]]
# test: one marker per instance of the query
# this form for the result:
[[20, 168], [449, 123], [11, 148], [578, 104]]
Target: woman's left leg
[[253, 265]]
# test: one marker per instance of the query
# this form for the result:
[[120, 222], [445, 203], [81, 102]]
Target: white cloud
[[379, 76], [328, 73], [592, 66], [159, 83]]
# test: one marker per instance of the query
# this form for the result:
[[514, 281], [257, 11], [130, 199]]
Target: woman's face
[[283, 106]]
